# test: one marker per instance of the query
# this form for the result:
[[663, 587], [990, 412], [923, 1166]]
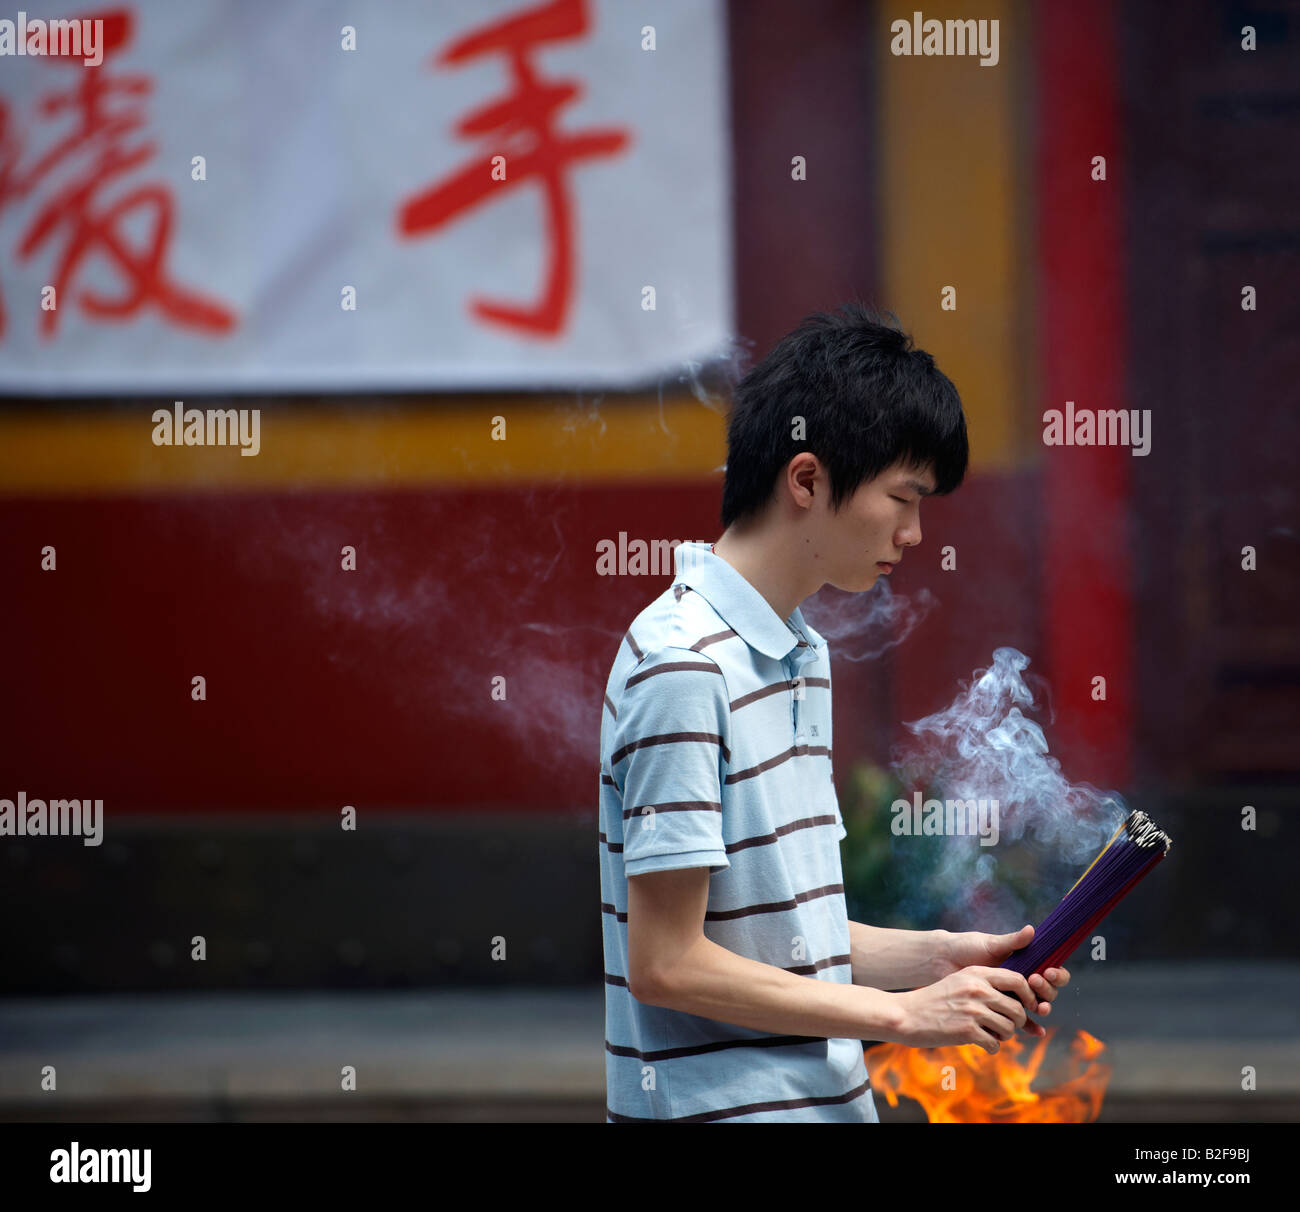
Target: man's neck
[[764, 558]]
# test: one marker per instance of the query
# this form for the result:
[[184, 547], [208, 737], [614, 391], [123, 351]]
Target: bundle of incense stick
[[1134, 848]]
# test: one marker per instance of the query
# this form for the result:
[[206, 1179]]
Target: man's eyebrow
[[917, 486]]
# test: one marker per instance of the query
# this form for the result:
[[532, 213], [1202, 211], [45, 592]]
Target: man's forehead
[[919, 480]]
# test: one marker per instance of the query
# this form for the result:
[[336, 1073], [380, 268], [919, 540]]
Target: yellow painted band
[[953, 192], [57, 451]]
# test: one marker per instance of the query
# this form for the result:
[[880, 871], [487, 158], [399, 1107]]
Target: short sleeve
[[670, 754]]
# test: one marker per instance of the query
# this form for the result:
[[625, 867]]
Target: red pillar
[[1088, 560]]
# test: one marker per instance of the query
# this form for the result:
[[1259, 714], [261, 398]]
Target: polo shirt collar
[[745, 610]]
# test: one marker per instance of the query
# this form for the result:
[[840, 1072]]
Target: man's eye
[[902, 500]]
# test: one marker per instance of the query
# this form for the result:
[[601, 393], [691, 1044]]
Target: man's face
[[874, 526]]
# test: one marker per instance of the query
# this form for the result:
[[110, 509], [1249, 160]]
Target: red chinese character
[[522, 123], [76, 210]]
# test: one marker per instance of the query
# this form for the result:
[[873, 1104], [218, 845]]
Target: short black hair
[[868, 400]]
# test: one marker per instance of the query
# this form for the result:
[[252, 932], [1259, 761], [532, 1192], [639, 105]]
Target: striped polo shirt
[[715, 749]]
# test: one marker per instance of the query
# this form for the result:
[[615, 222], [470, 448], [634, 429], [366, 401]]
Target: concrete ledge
[[1171, 1031], [457, 1044]]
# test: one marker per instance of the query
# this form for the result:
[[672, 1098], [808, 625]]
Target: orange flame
[[965, 1085]]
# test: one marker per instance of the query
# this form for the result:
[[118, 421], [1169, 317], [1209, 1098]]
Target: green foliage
[[876, 876], [904, 881]]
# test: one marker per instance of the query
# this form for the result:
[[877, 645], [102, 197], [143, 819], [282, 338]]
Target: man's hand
[[975, 949], [977, 1005]]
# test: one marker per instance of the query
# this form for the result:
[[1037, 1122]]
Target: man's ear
[[802, 471]]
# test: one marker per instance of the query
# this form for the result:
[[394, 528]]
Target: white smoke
[[983, 746], [858, 634]]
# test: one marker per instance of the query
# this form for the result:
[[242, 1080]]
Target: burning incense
[[1134, 848]]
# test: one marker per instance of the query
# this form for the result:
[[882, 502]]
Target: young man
[[736, 988]]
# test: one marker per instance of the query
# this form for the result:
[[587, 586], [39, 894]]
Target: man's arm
[[896, 959], [914, 959], [672, 964]]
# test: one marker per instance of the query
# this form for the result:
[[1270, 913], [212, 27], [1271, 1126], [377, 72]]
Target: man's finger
[[1030, 1026], [1012, 984], [1043, 988]]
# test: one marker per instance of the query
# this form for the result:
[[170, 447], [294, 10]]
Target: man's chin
[[871, 581]]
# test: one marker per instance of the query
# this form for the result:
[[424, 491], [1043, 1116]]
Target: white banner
[[333, 195]]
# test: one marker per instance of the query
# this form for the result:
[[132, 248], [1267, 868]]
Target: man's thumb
[[1002, 945], [1015, 940]]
